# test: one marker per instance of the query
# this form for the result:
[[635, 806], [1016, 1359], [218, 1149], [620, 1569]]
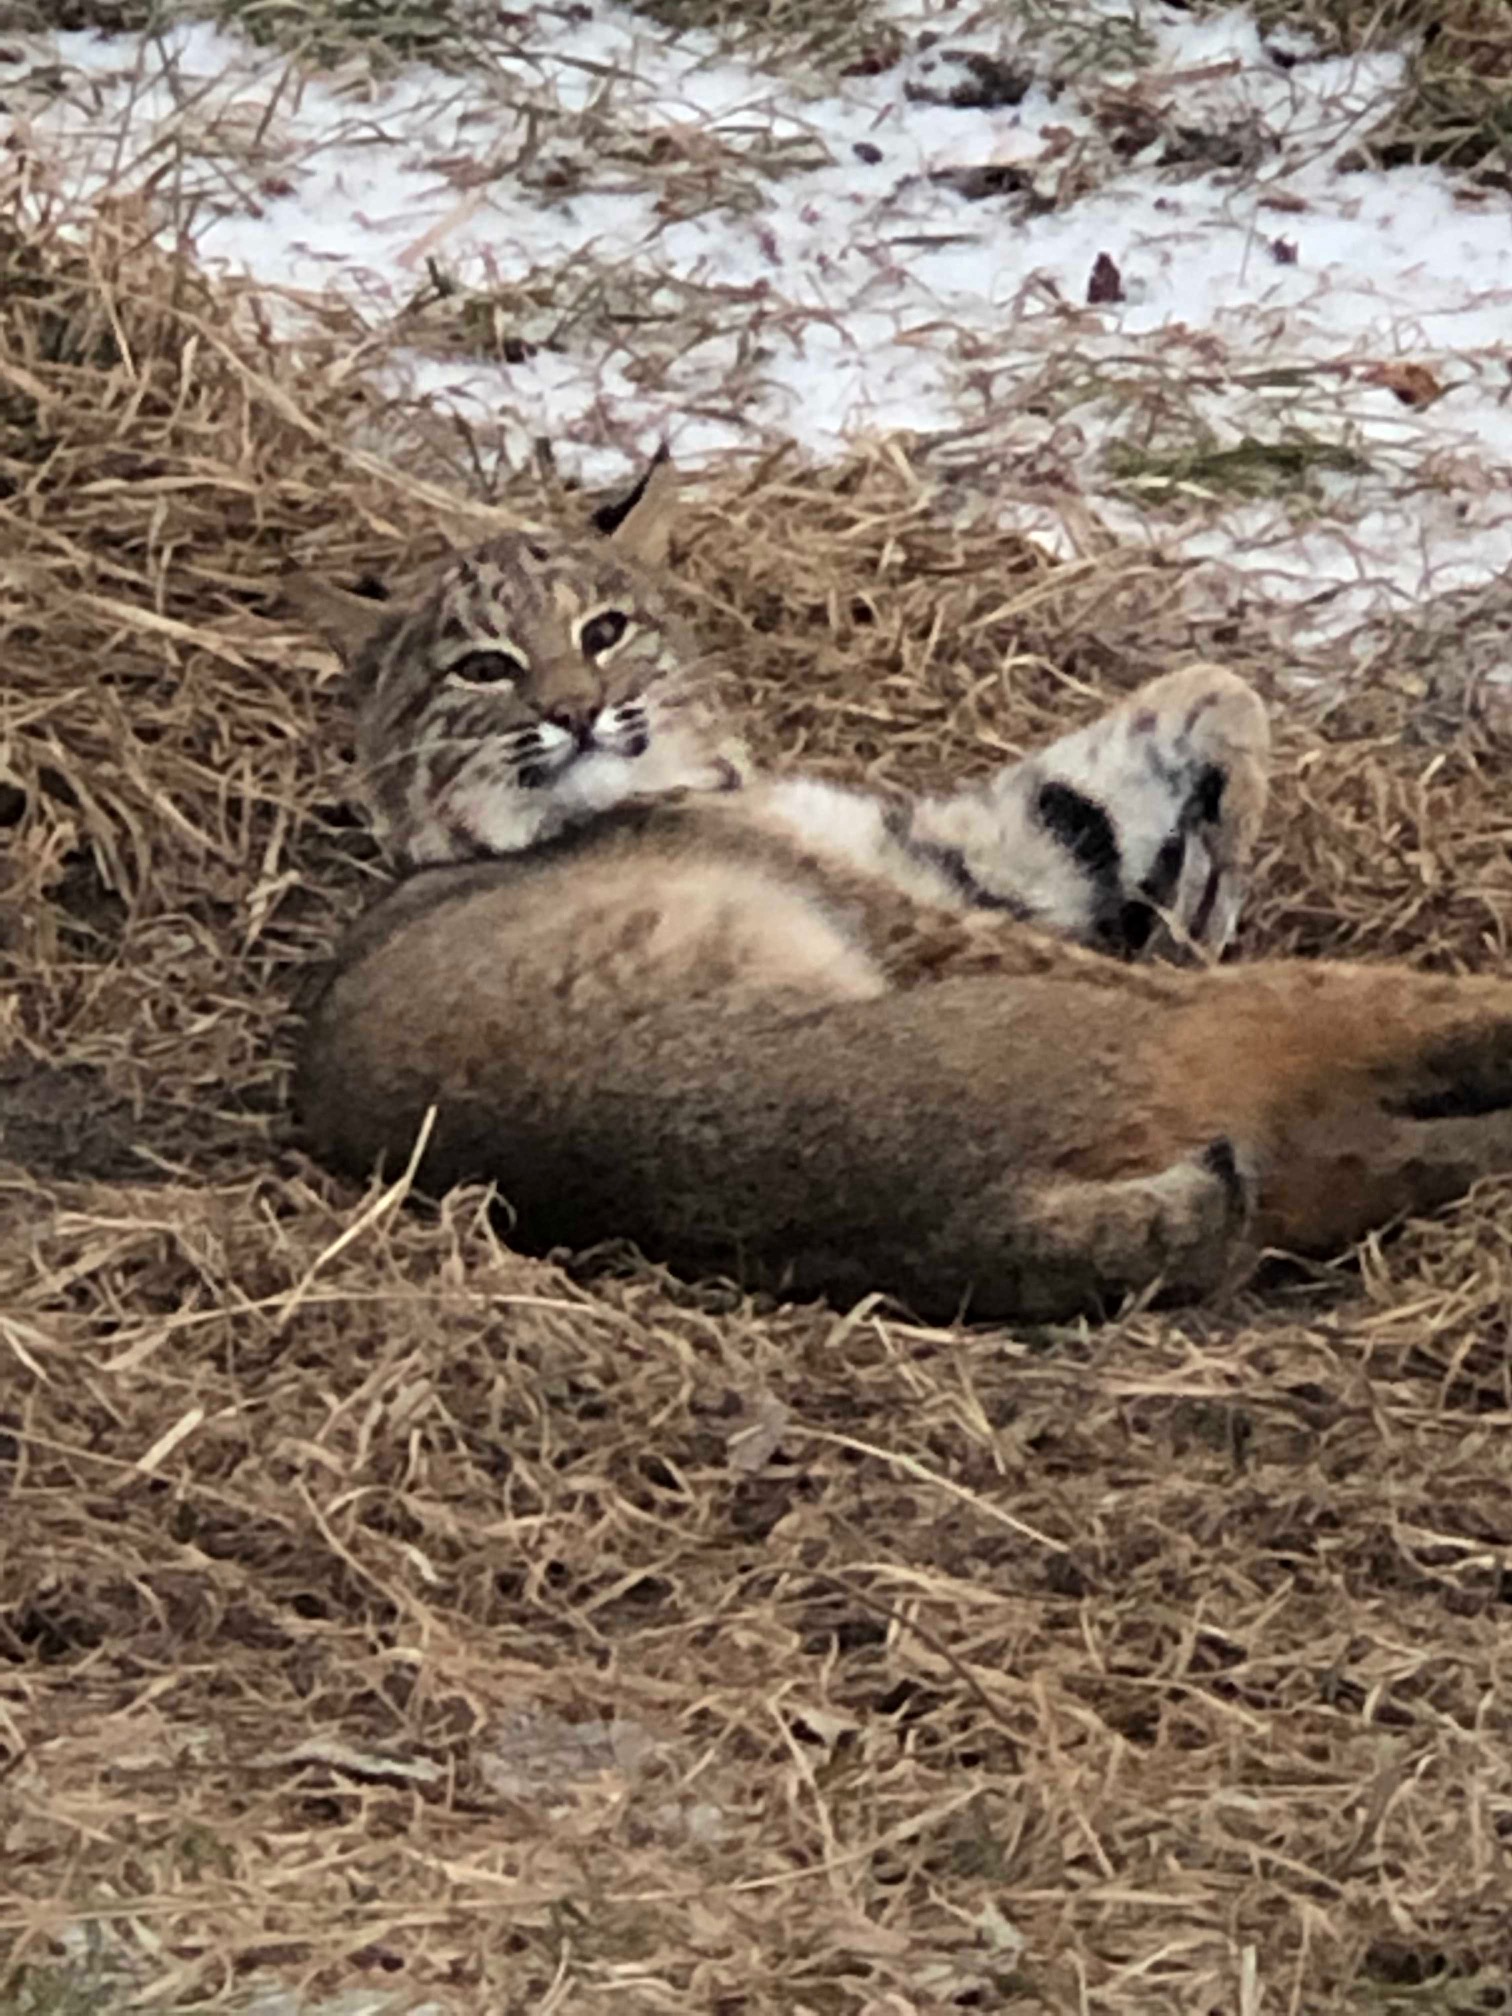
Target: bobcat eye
[[602, 632], [488, 668]]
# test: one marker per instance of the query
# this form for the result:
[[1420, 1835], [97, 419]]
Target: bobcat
[[836, 1040]]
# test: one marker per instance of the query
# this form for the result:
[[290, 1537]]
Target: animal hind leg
[[1379, 1091], [1076, 1247], [1335, 1184]]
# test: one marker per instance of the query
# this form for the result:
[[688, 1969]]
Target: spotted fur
[[1132, 835]]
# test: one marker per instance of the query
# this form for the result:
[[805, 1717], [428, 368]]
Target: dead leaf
[[1413, 384], [1106, 283]]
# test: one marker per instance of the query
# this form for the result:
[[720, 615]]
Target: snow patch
[[678, 243]]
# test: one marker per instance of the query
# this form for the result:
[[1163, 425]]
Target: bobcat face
[[541, 682]]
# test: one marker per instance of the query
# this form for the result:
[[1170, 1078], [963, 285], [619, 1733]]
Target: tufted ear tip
[[640, 523]]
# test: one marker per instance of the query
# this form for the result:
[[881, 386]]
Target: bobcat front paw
[[1204, 737]]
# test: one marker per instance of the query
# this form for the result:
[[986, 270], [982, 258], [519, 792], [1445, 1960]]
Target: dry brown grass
[[1457, 105], [380, 1607]]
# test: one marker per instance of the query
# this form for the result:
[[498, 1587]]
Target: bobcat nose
[[577, 716]]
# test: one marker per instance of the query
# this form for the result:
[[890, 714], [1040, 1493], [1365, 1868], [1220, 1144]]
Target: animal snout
[[576, 717]]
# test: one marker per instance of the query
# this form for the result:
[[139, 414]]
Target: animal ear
[[347, 622], [640, 524]]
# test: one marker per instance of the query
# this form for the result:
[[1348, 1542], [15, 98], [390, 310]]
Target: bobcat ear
[[347, 622], [641, 523]]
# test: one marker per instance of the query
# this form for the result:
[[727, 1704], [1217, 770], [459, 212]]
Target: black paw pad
[[1130, 932]]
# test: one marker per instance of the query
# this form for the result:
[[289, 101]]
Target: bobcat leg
[[1134, 832], [1047, 1248], [1079, 1247], [1182, 770], [1333, 1192]]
